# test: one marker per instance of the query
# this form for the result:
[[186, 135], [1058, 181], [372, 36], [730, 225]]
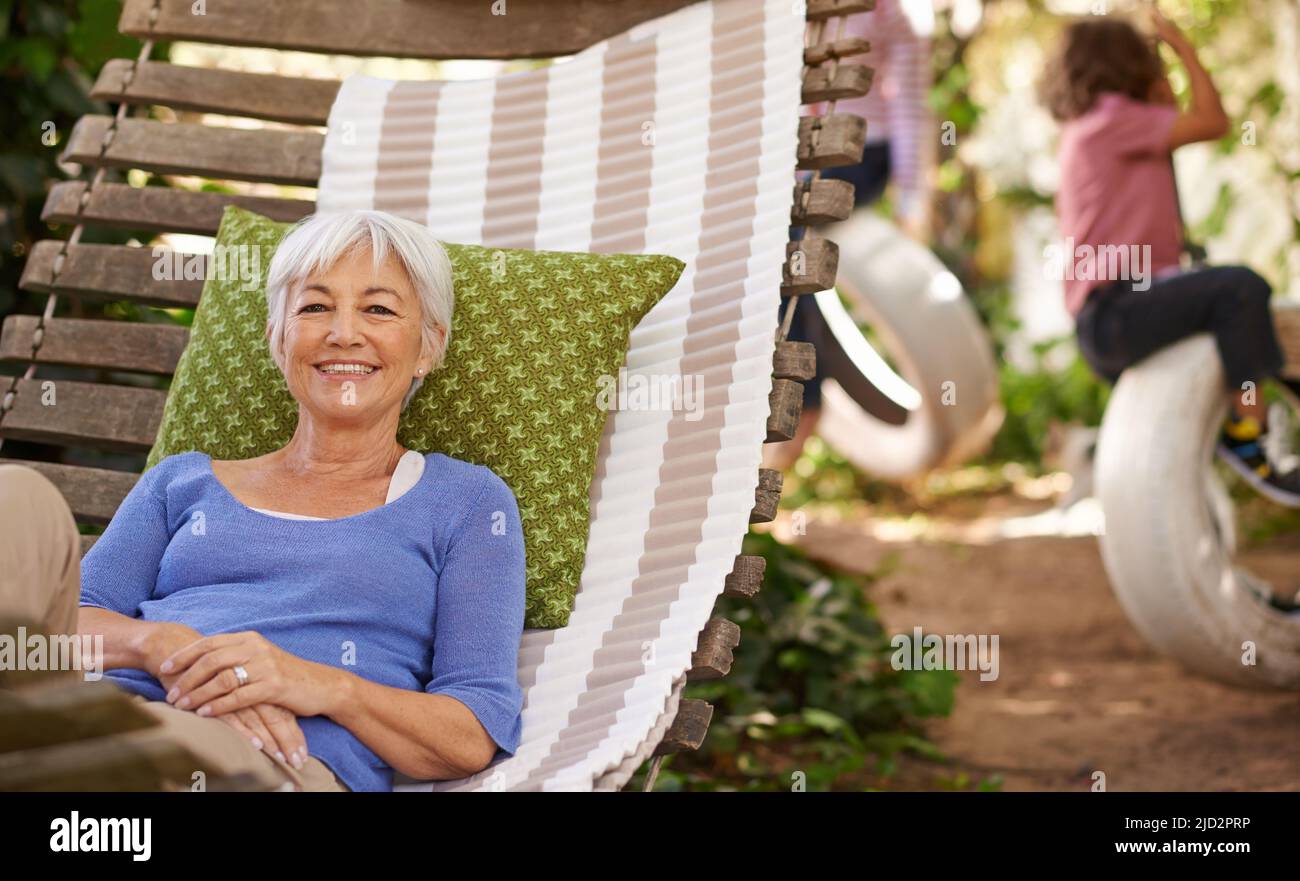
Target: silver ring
[[241, 674]]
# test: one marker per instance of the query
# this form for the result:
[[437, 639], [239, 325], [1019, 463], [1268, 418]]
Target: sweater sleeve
[[120, 570], [479, 619]]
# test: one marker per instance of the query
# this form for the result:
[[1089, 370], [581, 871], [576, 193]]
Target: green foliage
[[811, 689], [49, 56]]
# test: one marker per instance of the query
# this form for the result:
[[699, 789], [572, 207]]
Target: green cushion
[[517, 391]]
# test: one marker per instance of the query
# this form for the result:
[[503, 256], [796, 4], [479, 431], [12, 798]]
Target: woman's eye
[[311, 306], [385, 308]]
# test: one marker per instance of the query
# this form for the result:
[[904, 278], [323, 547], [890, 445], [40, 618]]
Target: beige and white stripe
[[678, 137]]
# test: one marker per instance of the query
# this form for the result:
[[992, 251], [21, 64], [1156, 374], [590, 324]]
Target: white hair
[[315, 243]]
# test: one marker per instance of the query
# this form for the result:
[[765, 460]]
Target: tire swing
[[1170, 540], [941, 405]]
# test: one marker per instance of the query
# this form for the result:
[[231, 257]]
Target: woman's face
[[352, 340]]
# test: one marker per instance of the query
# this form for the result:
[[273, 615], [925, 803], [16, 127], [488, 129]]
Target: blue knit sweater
[[425, 593]]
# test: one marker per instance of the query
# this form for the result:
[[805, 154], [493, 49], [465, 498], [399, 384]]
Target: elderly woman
[[342, 607]]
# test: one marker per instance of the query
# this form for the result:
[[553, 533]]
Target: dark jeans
[[1119, 326], [869, 178]]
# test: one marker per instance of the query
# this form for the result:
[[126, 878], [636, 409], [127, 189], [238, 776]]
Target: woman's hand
[[272, 729], [204, 679]]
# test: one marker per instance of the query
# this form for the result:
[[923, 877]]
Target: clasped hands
[[198, 674]]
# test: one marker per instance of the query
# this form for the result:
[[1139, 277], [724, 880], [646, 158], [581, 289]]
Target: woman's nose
[[343, 326]]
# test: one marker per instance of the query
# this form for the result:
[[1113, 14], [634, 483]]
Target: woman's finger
[[182, 658], [263, 739], [233, 720], [202, 671], [288, 734]]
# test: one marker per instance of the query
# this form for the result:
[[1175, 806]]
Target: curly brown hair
[[1098, 55]]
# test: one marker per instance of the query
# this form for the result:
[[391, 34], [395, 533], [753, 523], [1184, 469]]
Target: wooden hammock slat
[[786, 402], [293, 156], [162, 209], [273, 155], [845, 48], [767, 495], [107, 417], [143, 761], [399, 28], [113, 345], [48, 715], [307, 101], [114, 272], [299, 100], [827, 200], [846, 81], [820, 10], [93, 494], [810, 266], [840, 140], [713, 654], [795, 359], [746, 577], [688, 729]]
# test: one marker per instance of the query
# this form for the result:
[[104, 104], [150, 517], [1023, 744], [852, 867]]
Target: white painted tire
[[1169, 541], [918, 310]]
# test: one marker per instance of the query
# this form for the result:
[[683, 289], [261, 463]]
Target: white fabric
[[406, 475]]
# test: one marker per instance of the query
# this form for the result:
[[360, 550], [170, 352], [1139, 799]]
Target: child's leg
[[1230, 302]]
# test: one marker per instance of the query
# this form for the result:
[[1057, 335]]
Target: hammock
[[560, 158]]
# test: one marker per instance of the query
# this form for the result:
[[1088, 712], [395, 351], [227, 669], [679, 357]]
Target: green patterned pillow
[[522, 403]]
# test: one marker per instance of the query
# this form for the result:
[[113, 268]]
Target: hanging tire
[[941, 405], [1170, 539]]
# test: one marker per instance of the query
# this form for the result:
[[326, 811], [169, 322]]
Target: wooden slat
[[845, 48], [848, 81], [44, 716], [834, 139], [746, 577], [113, 345], [689, 727], [106, 272], [795, 359], [274, 155], [107, 417], [786, 402], [293, 156], [93, 494], [209, 90], [1286, 319], [306, 101], [766, 496], [142, 761], [810, 266], [401, 28], [713, 654], [823, 9], [164, 209], [819, 201]]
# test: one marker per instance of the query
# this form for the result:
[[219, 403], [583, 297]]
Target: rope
[[51, 303]]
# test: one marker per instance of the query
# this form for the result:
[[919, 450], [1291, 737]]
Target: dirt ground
[[1078, 691]]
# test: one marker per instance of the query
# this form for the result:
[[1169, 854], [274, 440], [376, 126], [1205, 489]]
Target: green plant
[[811, 696]]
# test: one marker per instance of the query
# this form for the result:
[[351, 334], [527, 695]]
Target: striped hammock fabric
[[677, 137]]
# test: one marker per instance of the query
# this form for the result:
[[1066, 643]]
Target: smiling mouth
[[346, 369]]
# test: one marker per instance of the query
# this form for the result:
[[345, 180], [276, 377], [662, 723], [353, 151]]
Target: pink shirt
[[895, 108], [1117, 192]]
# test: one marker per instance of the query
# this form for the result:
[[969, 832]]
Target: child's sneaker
[[1244, 447]]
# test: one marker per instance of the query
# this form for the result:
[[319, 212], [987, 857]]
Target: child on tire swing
[[1107, 86]]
